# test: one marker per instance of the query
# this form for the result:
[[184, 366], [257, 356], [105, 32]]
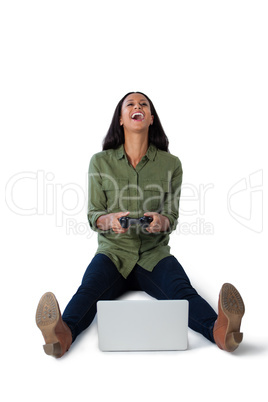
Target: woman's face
[[136, 113]]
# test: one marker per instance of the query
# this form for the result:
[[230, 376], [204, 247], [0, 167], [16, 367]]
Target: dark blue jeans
[[102, 281]]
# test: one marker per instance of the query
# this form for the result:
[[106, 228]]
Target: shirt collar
[[120, 152], [151, 152]]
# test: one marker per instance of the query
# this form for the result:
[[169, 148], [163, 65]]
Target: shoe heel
[[53, 349], [233, 340]]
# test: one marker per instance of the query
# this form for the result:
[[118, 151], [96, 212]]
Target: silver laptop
[[129, 325]]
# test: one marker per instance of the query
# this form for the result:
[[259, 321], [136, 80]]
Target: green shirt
[[115, 186]]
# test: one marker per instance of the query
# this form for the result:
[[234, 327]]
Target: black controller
[[126, 221]]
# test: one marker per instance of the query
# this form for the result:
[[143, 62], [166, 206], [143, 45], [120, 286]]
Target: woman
[[133, 177]]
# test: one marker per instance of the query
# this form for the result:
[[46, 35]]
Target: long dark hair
[[115, 135]]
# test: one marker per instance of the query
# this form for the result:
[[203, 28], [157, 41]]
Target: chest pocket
[[155, 192], [116, 193]]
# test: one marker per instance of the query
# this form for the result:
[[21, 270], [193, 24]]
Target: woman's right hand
[[111, 221]]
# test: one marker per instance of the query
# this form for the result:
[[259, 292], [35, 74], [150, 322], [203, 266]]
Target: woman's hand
[[111, 221], [160, 223]]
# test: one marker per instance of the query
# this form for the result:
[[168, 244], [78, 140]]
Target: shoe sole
[[233, 307], [47, 317]]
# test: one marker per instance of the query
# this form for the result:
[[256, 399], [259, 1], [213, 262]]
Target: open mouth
[[137, 116]]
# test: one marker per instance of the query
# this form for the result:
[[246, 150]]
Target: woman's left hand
[[160, 223]]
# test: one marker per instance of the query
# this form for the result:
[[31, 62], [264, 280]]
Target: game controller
[[126, 221]]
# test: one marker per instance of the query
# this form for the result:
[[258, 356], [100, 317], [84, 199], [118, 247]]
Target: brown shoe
[[226, 330], [57, 334]]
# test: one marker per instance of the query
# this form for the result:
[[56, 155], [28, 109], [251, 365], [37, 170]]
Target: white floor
[[203, 372]]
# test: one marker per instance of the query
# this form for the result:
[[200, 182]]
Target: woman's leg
[[169, 281], [101, 281]]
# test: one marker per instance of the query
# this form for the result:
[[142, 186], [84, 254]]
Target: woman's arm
[[98, 217], [170, 208], [97, 205]]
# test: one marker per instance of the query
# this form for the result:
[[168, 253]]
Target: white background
[[64, 67]]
